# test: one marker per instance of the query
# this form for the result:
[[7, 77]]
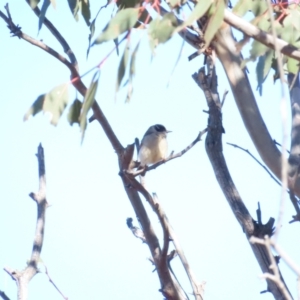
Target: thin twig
[[52, 282], [224, 97], [275, 277], [278, 144], [198, 289], [263, 166], [58, 36]]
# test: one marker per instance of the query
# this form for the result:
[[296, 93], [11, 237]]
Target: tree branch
[[276, 276], [263, 37], [231, 60], [22, 278], [132, 187], [198, 289], [58, 36], [52, 282], [76, 80], [3, 296], [213, 145]]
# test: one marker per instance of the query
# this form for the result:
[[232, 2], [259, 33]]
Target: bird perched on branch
[[154, 145]]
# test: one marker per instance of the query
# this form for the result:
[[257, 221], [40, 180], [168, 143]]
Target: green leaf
[[295, 16], [33, 3], [116, 42], [215, 22], [132, 72], [44, 8], [92, 32], [74, 112], [55, 102], [52, 103], [200, 9], [74, 7], [162, 30], [289, 32], [88, 102], [263, 68], [122, 66], [292, 65], [258, 7], [133, 58], [127, 3], [85, 11], [122, 21], [36, 107], [257, 49]]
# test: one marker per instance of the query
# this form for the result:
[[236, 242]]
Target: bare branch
[[231, 60], [198, 289], [276, 276], [58, 36], [264, 167], [137, 232], [52, 282], [16, 31], [132, 187], [22, 278], [214, 150], [3, 296]]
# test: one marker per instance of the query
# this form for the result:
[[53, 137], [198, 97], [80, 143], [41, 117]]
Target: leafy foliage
[[83, 6], [216, 14], [257, 7], [53, 103], [122, 21], [263, 68], [200, 9], [161, 30]]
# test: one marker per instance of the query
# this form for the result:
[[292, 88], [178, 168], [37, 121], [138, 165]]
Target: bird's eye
[[160, 128]]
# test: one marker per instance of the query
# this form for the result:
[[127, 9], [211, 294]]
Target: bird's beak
[[168, 131]]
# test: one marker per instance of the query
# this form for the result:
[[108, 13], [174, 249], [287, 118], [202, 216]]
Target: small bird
[[154, 145]]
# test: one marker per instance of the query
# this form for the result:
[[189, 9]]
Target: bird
[[154, 145]]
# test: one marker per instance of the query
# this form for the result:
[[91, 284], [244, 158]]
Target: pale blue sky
[[88, 249]]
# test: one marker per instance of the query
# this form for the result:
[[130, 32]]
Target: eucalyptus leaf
[[74, 112], [215, 22], [122, 66], [55, 102], [44, 8], [121, 22], [88, 102]]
